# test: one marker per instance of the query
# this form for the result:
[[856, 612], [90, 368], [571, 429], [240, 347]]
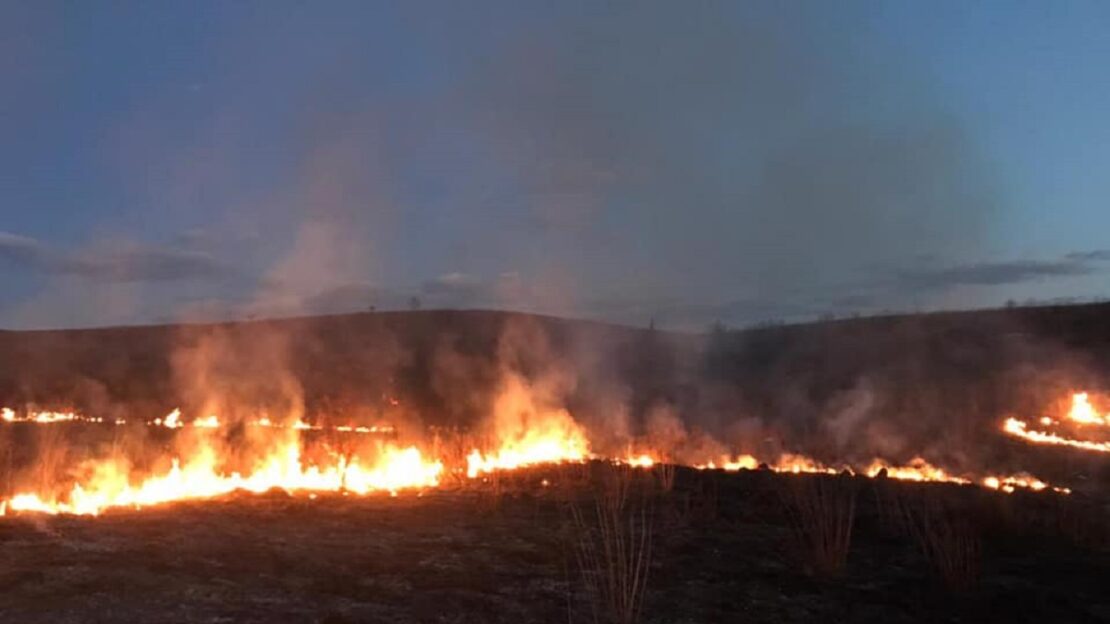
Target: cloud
[[121, 264], [21, 250], [1095, 255], [993, 273], [458, 289]]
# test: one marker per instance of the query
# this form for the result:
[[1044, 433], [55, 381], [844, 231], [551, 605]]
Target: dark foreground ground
[[724, 549]]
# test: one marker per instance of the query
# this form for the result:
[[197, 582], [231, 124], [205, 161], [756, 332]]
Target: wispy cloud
[[1095, 255], [993, 273], [122, 264]]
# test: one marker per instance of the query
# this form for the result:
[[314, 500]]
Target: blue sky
[[690, 162]]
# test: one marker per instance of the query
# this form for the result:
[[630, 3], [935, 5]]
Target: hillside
[[896, 386]]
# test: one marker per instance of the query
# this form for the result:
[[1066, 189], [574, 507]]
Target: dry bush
[[888, 507], [492, 491], [665, 475], [51, 455], [1080, 522], [7, 447], [823, 511], [570, 479], [452, 446], [949, 541], [613, 547]]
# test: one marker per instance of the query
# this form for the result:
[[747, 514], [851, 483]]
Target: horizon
[[1064, 302]]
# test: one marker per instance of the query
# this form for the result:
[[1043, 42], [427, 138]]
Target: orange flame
[[1021, 430], [527, 434], [200, 477], [524, 432], [1083, 413]]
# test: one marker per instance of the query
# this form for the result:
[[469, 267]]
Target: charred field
[[725, 547], [490, 467]]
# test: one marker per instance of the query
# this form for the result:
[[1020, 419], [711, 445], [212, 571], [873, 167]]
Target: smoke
[[676, 162], [711, 154], [722, 161]]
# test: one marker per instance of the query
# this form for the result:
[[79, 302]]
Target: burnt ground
[[724, 550]]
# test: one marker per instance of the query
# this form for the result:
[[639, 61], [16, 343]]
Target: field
[[578, 541], [724, 547]]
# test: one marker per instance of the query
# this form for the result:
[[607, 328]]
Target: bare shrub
[[888, 506], [703, 503], [453, 446], [6, 449], [1080, 522], [51, 452], [613, 547], [571, 479], [823, 511], [949, 541], [665, 475], [492, 492]]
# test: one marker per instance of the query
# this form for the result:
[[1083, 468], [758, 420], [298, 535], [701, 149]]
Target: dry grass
[[6, 465], [949, 541], [1081, 523], [665, 476], [51, 452], [823, 511], [613, 547]]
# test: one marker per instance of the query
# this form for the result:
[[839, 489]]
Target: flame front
[[201, 477], [1069, 429], [523, 432], [1084, 413]]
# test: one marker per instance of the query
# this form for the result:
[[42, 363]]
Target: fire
[[1021, 430], [201, 477], [174, 420], [917, 470], [1081, 415], [798, 464], [532, 449], [171, 421], [9, 415], [526, 434], [787, 462], [523, 432], [1009, 484], [729, 464], [1084, 413], [643, 460]]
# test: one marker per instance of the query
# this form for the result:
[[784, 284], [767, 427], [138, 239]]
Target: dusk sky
[[689, 162]]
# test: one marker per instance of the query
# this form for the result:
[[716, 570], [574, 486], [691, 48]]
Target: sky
[[682, 163]]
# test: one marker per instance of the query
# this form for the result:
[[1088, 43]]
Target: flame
[[200, 477], [523, 432], [1021, 430], [1009, 484], [1083, 413], [171, 421], [787, 462], [527, 434], [729, 464], [643, 460], [174, 420], [44, 418], [917, 470]]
